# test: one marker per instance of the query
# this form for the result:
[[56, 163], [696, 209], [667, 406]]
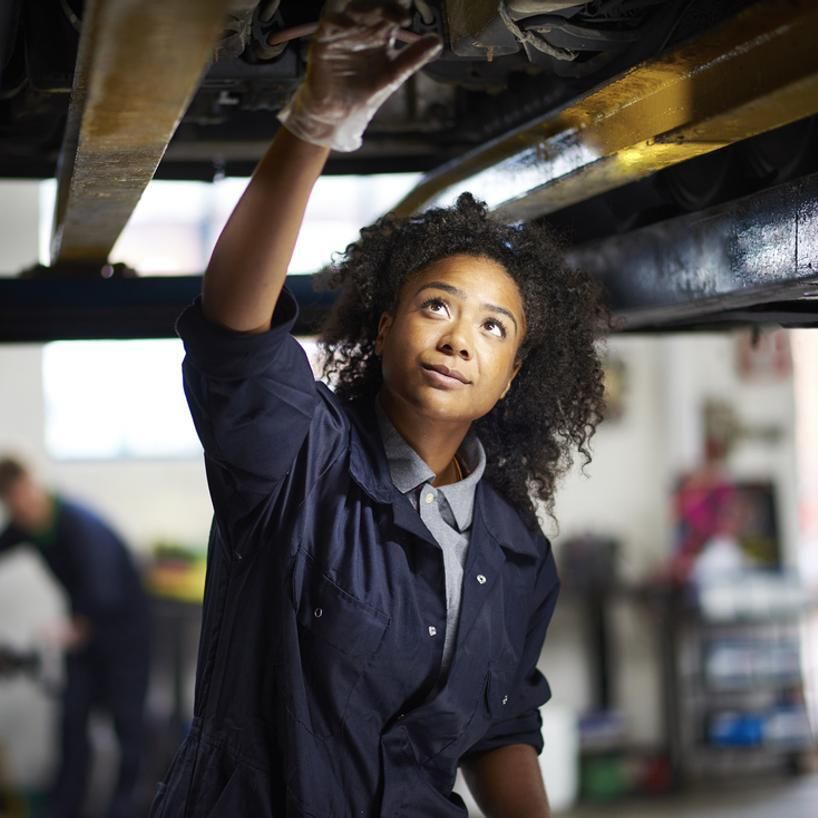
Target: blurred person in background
[[105, 637], [710, 516]]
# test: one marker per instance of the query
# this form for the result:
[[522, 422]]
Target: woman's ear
[[384, 325], [517, 367]]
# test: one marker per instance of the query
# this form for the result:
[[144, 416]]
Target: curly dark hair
[[556, 401]]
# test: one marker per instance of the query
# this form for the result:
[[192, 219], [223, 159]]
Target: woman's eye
[[495, 327], [435, 305]]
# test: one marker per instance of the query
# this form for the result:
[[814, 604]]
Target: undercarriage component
[[578, 39], [475, 30], [483, 84], [609, 163], [704, 95], [717, 265], [133, 80]]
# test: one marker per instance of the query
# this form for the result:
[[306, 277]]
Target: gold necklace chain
[[457, 469]]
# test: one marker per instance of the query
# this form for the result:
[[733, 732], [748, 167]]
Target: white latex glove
[[352, 68]]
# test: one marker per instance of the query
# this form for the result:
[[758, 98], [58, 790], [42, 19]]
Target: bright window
[[175, 225], [108, 400], [116, 399]]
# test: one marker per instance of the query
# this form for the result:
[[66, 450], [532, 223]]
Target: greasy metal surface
[[756, 72], [465, 20], [138, 65], [761, 249], [467, 17]]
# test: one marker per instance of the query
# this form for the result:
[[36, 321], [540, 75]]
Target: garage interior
[[673, 144]]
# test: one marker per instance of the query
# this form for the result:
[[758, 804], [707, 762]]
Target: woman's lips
[[442, 376]]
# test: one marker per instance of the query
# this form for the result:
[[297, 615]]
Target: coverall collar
[[369, 468]]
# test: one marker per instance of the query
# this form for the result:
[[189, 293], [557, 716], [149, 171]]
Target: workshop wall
[[626, 493]]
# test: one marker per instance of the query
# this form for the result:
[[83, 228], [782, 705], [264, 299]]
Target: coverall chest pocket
[[338, 636]]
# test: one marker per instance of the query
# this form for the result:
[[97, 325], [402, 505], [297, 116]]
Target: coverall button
[[318, 613], [481, 579], [432, 630]]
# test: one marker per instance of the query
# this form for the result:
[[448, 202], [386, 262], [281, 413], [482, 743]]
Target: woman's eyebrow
[[452, 290], [502, 311], [441, 285]]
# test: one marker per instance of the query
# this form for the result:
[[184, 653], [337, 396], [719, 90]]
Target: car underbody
[[669, 141]]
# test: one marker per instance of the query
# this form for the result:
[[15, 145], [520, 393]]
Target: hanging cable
[[70, 15], [532, 38], [285, 35]]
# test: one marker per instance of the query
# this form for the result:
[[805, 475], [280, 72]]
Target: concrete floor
[[779, 798]]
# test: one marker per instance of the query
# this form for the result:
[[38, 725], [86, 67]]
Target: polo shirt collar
[[409, 471], [369, 468]]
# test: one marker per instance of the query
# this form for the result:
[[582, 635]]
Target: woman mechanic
[[378, 589]]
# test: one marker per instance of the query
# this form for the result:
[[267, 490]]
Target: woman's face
[[450, 350]]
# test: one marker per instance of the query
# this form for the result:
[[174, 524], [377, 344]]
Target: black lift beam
[[65, 308], [753, 260]]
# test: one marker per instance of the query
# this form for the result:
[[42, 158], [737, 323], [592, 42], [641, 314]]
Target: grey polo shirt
[[445, 510]]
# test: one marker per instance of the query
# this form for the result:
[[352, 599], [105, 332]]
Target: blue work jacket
[[319, 690]]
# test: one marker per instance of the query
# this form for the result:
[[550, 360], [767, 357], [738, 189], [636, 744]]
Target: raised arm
[[249, 263], [353, 67]]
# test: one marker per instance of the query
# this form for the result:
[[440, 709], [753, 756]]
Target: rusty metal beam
[[138, 64], [756, 72]]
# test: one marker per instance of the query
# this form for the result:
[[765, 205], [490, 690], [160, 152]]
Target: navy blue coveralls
[[103, 586], [318, 689]]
